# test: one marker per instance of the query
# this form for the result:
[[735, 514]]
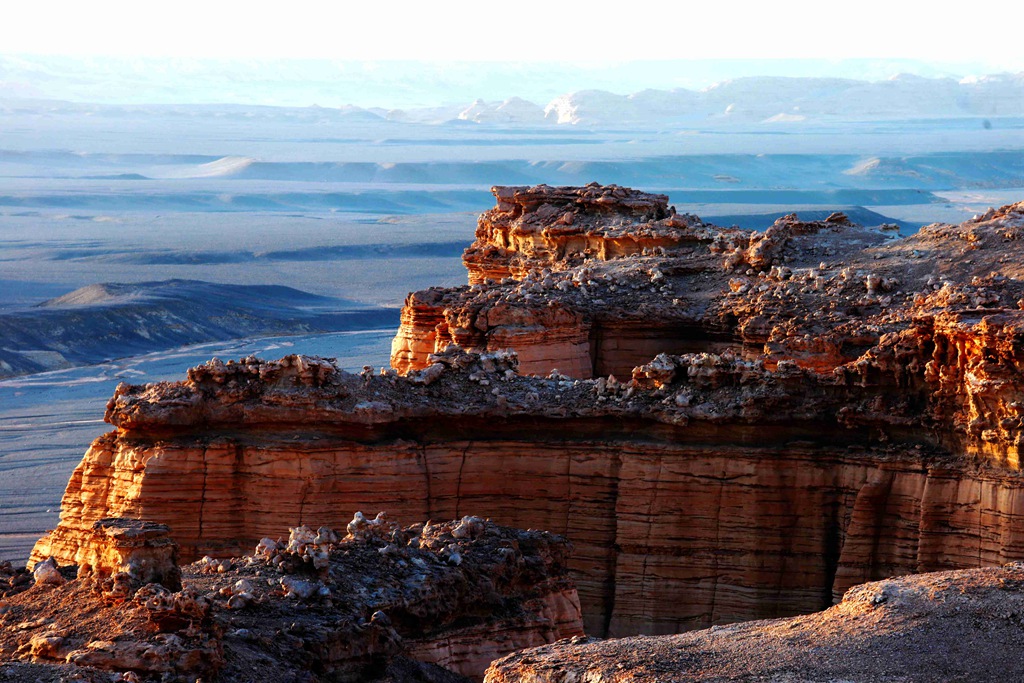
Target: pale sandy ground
[[46, 253]]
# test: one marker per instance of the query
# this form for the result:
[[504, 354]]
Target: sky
[[524, 30], [403, 54]]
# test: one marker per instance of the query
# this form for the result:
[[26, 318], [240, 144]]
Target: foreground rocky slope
[[429, 602], [829, 404], [947, 626]]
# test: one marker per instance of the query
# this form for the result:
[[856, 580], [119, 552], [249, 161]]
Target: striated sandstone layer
[[424, 603], [709, 489], [949, 626], [800, 410]]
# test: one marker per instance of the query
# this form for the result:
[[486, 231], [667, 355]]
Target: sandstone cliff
[[792, 412]]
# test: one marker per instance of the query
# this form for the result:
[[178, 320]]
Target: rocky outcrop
[[527, 241], [708, 489], [142, 550], [446, 598], [537, 226], [790, 413], [595, 281], [948, 626]]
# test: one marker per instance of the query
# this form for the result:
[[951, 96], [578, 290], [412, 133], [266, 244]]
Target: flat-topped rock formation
[[531, 232], [948, 626], [534, 226], [428, 602], [791, 413]]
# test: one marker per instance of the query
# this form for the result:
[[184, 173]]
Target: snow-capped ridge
[[773, 99], [514, 110]]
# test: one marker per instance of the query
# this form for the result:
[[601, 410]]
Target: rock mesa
[[743, 425]]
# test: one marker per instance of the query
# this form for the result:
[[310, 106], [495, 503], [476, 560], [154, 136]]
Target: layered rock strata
[[428, 602], [839, 405], [948, 626], [543, 224]]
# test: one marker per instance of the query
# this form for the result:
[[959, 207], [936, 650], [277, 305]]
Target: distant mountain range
[[49, 84], [788, 100], [415, 84]]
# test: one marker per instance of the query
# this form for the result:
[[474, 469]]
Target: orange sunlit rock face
[[790, 413], [596, 280]]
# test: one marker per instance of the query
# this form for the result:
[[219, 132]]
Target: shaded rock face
[[427, 602], [849, 407], [948, 626]]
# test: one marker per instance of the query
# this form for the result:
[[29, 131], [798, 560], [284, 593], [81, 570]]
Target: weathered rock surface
[[834, 405], [727, 492], [544, 225], [948, 626], [429, 602]]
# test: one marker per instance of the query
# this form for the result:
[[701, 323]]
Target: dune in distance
[[83, 327]]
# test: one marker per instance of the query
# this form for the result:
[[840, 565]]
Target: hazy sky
[[519, 30]]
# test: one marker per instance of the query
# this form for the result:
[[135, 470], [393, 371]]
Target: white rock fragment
[[299, 538], [46, 574], [325, 535], [266, 548], [452, 555], [361, 528], [427, 375], [241, 600], [299, 588], [468, 527]]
